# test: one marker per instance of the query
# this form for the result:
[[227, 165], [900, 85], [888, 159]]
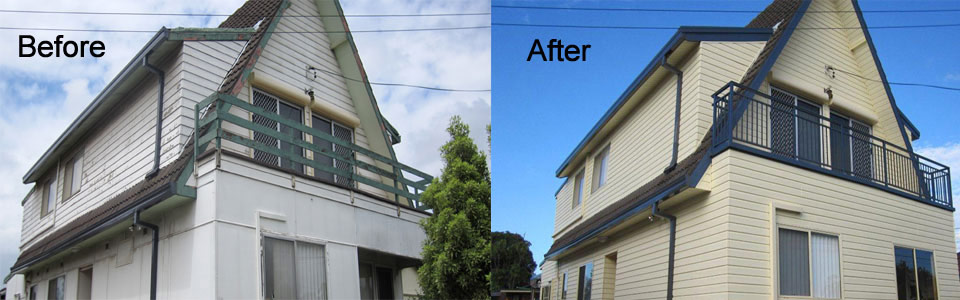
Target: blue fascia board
[[128, 70], [669, 190], [684, 33], [883, 77], [913, 129], [821, 170]]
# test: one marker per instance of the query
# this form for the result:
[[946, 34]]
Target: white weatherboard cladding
[[119, 152]]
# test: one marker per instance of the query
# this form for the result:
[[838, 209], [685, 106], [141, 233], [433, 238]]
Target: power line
[[899, 83], [227, 31], [636, 9], [675, 28], [404, 84], [228, 15]]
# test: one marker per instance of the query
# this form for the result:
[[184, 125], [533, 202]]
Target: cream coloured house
[[248, 161], [762, 162]]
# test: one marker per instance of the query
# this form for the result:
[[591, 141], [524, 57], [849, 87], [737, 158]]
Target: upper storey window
[[286, 111], [852, 148], [340, 132], [578, 189], [600, 168], [48, 200], [795, 127], [72, 177]]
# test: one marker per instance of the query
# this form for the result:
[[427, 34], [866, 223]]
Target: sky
[[546, 108], [40, 97]]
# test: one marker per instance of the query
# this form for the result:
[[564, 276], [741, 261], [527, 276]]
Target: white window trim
[[600, 177]]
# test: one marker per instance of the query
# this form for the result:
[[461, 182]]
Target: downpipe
[[676, 112], [156, 146], [673, 239], [153, 257]]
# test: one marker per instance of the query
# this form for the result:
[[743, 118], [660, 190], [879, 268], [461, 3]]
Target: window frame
[[584, 281], [334, 146], [262, 273], [916, 268], [796, 121], [279, 143], [61, 278], [578, 181], [809, 233], [69, 172], [48, 187], [601, 169]]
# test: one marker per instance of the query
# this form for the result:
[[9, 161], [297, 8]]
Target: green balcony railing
[[223, 118]]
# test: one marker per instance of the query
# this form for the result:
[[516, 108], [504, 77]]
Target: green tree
[[456, 253], [511, 262]]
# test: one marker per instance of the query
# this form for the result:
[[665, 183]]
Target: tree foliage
[[456, 253], [511, 262]]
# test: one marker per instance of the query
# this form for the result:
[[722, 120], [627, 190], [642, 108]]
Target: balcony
[[768, 127], [229, 124]]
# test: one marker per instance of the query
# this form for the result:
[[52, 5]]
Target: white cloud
[[948, 154], [41, 96], [952, 77]]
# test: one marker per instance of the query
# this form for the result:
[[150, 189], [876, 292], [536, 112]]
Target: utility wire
[[900, 83], [228, 15], [675, 28], [636, 9], [404, 84], [232, 31]]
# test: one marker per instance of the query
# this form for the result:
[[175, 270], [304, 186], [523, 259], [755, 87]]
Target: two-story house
[[760, 162], [245, 161]]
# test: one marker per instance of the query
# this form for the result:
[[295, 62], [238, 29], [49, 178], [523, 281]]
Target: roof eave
[[684, 33], [134, 64]]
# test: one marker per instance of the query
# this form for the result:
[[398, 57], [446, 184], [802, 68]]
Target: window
[[851, 150], [578, 189], [563, 287], [545, 291], [72, 177], [293, 270], [33, 292], [585, 282], [795, 126], [809, 262], [55, 288], [286, 111], [338, 131], [915, 274], [376, 282], [48, 200], [600, 168]]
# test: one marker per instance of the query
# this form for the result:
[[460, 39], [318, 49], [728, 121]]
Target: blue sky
[[543, 109]]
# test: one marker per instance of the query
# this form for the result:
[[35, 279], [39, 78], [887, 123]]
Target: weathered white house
[[245, 161], [762, 162]]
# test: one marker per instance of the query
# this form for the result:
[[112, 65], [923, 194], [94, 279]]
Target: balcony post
[[886, 170]]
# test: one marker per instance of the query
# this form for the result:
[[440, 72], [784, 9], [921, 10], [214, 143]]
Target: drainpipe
[[676, 112], [153, 257], [673, 239], [156, 146]]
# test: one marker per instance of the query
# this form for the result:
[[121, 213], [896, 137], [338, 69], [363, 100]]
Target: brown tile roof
[[779, 12], [248, 15], [164, 182]]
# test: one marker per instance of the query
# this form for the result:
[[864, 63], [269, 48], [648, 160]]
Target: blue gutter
[[684, 33]]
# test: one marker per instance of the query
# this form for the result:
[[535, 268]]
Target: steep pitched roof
[[783, 15], [253, 12]]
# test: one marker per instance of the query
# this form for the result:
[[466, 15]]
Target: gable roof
[[683, 34], [690, 169], [253, 12]]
